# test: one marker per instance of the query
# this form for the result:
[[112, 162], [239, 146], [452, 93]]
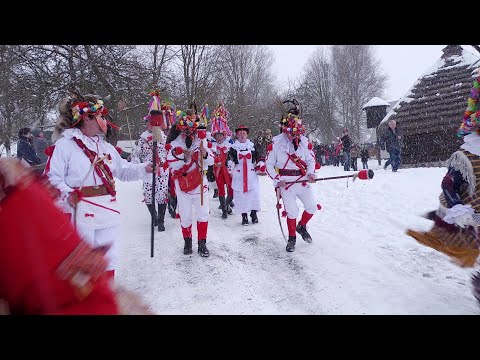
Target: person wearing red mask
[[82, 166]]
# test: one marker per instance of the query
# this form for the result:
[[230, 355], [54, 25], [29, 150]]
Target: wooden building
[[432, 110]]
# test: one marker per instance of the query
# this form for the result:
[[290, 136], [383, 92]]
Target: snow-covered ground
[[360, 261]]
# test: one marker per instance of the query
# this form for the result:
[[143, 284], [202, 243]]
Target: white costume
[[187, 199], [278, 158], [97, 218], [245, 184]]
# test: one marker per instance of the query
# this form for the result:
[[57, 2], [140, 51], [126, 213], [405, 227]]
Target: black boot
[[161, 216], [153, 213], [244, 219], [224, 206], [215, 193], [187, 248], [291, 243], [253, 215], [302, 230], [202, 248], [172, 206], [229, 203]]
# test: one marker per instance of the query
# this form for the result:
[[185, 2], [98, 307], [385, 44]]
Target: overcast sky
[[402, 63]]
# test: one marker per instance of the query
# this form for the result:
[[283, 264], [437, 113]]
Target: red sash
[[101, 168]]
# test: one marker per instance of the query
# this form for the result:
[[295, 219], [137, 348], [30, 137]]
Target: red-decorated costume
[[290, 158], [82, 167], [223, 178], [187, 151]]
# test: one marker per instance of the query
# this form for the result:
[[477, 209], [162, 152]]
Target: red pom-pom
[[363, 174], [269, 147], [263, 168], [49, 150], [178, 150], [119, 149], [317, 166], [279, 206], [168, 146], [209, 145], [149, 138], [284, 213], [177, 216], [310, 146], [319, 207], [165, 165], [202, 134]]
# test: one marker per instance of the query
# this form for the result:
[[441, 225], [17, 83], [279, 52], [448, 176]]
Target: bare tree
[[358, 78], [317, 95]]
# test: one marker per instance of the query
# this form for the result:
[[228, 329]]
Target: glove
[[460, 215]]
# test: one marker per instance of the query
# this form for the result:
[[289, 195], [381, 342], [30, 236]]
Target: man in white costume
[[83, 166], [187, 149], [289, 158]]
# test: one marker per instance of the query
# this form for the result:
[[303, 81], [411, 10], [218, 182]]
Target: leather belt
[[90, 191], [289, 172]]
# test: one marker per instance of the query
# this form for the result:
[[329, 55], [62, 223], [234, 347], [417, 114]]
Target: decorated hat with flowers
[[219, 120], [291, 123], [471, 116]]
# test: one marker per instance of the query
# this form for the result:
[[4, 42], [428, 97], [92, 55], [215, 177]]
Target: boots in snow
[[244, 219], [253, 215], [215, 193], [187, 248], [202, 248], [161, 216], [302, 230], [153, 213], [291, 243], [229, 202], [223, 206]]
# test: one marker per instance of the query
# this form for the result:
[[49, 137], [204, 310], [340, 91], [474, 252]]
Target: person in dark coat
[[364, 156], [25, 149], [40, 144], [393, 146]]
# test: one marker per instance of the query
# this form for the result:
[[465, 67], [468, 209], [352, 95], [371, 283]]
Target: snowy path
[[360, 261]]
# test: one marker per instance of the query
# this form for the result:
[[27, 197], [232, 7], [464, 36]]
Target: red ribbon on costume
[[245, 171]]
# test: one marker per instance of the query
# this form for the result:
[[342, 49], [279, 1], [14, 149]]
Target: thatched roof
[[430, 113]]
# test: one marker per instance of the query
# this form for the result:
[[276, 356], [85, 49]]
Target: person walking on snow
[[245, 184], [186, 146], [289, 158], [143, 153]]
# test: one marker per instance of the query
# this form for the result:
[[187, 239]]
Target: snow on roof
[[465, 59], [376, 101]]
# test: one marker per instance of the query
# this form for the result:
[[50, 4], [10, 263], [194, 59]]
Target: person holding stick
[[289, 158], [189, 157], [143, 153]]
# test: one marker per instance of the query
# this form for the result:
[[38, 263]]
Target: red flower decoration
[[168, 146], [310, 146], [165, 165], [269, 147], [149, 138], [317, 166], [209, 145], [178, 150], [177, 216], [279, 206], [319, 207], [284, 213]]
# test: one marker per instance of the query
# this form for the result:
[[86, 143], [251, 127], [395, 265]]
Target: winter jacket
[[26, 151], [392, 143], [40, 144]]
